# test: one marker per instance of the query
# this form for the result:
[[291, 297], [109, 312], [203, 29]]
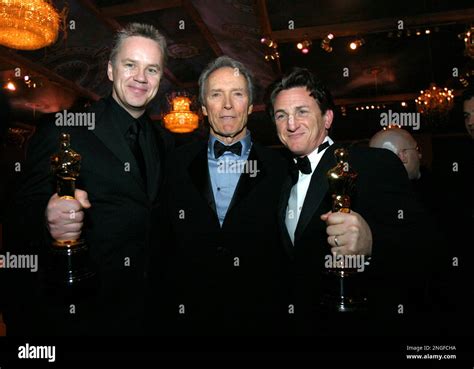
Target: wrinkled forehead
[[226, 78]]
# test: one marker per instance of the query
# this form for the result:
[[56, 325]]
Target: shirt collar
[[245, 141], [315, 156], [123, 119]]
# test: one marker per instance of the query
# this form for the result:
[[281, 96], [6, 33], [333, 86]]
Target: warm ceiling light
[[181, 119], [404, 103], [28, 24], [435, 100], [269, 42], [325, 43], [469, 42], [427, 31], [304, 46], [10, 86], [356, 44]]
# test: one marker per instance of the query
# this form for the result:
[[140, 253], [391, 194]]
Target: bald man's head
[[403, 145]]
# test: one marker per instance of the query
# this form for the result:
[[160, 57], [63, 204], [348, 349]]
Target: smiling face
[[227, 104], [300, 124], [136, 73], [468, 108]]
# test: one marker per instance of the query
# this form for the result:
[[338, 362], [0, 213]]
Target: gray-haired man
[[224, 262]]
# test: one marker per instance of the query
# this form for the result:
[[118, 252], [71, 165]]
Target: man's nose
[[292, 125], [140, 76], [227, 102]]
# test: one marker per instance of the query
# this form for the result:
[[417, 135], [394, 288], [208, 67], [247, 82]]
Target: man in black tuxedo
[[380, 229], [123, 155], [223, 258]]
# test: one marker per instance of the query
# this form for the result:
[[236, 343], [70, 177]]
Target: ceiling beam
[[10, 57], [266, 28], [374, 26], [263, 20], [196, 17], [109, 22], [137, 7]]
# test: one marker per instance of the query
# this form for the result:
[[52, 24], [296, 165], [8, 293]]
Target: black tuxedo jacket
[[116, 227], [221, 280], [383, 198]]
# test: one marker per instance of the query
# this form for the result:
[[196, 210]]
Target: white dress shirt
[[299, 190]]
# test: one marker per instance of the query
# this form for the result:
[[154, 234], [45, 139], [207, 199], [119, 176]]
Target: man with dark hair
[[468, 108], [223, 263], [123, 155], [378, 230]]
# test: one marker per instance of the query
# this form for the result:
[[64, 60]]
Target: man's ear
[[110, 73], [328, 117], [250, 110], [204, 110]]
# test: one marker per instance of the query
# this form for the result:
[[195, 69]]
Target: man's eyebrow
[[134, 61], [302, 107], [296, 108]]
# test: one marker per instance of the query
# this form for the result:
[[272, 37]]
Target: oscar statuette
[[344, 287], [69, 263]]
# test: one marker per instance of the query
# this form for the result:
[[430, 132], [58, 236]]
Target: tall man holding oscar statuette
[[117, 189], [376, 234]]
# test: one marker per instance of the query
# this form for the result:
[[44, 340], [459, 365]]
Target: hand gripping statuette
[[343, 281], [69, 264]]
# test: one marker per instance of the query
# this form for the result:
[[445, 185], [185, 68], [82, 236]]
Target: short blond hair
[[141, 30]]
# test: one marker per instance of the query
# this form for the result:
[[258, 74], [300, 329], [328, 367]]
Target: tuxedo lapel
[[247, 180], [199, 173], [110, 136], [318, 188]]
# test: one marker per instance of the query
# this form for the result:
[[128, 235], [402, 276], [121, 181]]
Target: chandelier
[[181, 119], [28, 24], [435, 101]]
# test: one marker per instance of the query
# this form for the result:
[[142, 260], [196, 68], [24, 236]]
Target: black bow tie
[[303, 164], [220, 148]]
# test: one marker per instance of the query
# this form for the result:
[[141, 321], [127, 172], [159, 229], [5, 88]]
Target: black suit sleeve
[[27, 226], [26, 232]]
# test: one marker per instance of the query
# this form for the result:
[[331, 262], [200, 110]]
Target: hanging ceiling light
[[325, 43], [28, 24], [354, 45], [272, 53], [435, 100], [181, 119], [304, 46]]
